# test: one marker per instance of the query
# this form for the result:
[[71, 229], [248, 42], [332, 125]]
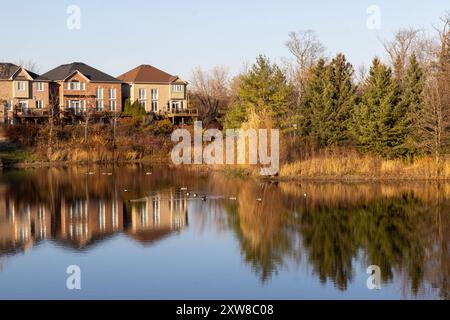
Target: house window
[[75, 105], [75, 85], [143, 97], [177, 88], [176, 105], [112, 105], [112, 99], [21, 85], [23, 104], [99, 99], [112, 93], [39, 86], [154, 106], [39, 104], [154, 94]]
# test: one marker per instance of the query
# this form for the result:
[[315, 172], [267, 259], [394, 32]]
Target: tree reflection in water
[[336, 227]]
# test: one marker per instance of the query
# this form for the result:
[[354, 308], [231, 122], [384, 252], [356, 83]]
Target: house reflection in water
[[81, 222], [22, 224], [155, 217], [84, 221]]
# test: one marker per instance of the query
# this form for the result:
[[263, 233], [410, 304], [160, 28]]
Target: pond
[[151, 232]]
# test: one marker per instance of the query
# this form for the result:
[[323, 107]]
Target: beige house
[[23, 94], [158, 91]]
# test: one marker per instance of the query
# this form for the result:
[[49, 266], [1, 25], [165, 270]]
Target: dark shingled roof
[[8, 69], [146, 73], [65, 70]]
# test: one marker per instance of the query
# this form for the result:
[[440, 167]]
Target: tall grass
[[355, 165]]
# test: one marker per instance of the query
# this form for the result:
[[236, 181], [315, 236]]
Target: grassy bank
[[134, 141], [353, 167]]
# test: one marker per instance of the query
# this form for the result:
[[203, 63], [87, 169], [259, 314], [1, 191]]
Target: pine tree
[[408, 111], [328, 102], [374, 118], [263, 90]]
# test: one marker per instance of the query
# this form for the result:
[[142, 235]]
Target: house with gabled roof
[[83, 89], [157, 91], [23, 94]]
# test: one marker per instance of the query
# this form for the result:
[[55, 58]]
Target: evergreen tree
[[408, 111], [263, 90], [374, 118], [328, 102], [134, 109]]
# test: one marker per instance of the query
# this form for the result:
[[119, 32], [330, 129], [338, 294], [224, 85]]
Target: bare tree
[[210, 91], [405, 43], [436, 115], [307, 50], [30, 65]]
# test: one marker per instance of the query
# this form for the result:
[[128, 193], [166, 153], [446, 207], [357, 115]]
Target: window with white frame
[[39, 104], [112, 99], [75, 85], [176, 105], [21, 85], [23, 104], [39, 86], [177, 88], [154, 94], [99, 98], [155, 105], [142, 97]]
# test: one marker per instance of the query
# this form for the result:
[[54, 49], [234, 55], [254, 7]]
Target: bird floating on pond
[[204, 198], [188, 194], [195, 195]]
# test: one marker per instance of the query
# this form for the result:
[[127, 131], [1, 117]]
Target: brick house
[[83, 89], [23, 94]]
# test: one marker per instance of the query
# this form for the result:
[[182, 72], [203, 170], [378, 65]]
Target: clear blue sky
[[177, 35]]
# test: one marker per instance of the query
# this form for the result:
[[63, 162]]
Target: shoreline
[[240, 172]]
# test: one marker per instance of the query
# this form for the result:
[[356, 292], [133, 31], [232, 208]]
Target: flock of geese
[[188, 194]]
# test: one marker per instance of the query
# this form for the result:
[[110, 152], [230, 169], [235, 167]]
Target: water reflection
[[334, 229]]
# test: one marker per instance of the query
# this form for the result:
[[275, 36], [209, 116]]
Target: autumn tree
[[210, 92], [262, 91], [307, 49], [435, 120]]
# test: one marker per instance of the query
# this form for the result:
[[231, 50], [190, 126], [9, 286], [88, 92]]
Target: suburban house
[[158, 92], [85, 91], [23, 94]]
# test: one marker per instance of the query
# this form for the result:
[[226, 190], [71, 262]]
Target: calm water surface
[[136, 235]]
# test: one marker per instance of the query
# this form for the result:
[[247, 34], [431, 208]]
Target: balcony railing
[[182, 112], [30, 112]]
